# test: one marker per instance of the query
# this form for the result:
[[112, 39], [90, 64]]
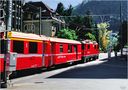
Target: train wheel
[[85, 60], [88, 59], [70, 63], [93, 58]]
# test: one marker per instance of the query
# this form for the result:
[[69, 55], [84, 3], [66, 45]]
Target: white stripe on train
[[39, 55]]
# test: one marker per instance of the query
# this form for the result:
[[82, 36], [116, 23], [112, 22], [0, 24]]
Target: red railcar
[[64, 50], [90, 50], [28, 48]]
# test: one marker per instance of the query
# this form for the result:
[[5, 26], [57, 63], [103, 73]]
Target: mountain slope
[[104, 7]]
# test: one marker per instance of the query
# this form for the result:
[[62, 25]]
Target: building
[[40, 19], [12, 14], [2, 15], [17, 15]]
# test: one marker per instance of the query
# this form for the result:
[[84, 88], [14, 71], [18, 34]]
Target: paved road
[[102, 74]]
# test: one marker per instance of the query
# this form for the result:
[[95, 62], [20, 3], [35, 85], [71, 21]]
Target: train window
[[61, 48], [18, 46], [88, 46], [2, 46], [75, 48], [95, 46], [83, 47], [69, 48], [32, 47]]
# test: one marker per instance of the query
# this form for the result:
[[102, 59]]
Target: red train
[[29, 51]]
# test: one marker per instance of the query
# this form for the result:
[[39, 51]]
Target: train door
[[52, 54], [47, 55], [43, 54], [76, 51]]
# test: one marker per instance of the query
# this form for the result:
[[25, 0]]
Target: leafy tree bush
[[104, 36], [114, 42], [90, 36], [124, 33], [67, 34]]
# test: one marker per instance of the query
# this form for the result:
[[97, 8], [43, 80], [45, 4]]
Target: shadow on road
[[115, 68]]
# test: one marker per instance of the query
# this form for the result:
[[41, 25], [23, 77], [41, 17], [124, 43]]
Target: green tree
[[67, 34], [88, 20], [60, 9], [90, 36], [123, 33], [114, 42], [68, 12], [104, 36], [83, 25]]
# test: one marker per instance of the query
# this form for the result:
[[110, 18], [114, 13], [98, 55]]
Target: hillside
[[104, 7]]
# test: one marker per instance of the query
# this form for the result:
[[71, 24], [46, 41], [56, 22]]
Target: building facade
[[12, 14], [40, 19]]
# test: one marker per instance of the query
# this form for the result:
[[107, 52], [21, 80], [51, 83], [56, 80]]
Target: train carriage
[[90, 50], [64, 50], [28, 48]]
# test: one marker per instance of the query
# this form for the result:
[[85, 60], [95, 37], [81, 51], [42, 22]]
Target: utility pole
[[121, 28], [8, 28], [40, 17]]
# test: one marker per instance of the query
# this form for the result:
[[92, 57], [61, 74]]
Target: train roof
[[87, 42], [94, 42], [31, 36], [61, 40], [13, 34]]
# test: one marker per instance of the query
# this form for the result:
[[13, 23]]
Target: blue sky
[[53, 3]]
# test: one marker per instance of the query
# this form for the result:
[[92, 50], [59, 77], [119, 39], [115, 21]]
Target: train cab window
[[88, 46], [95, 46], [2, 46], [32, 47], [18, 46], [61, 48], [69, 48]]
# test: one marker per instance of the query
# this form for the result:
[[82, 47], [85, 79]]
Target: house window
[[32, 47], [18, 46], [69, 48], [29, 16], [1, 13], [61, 48]]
